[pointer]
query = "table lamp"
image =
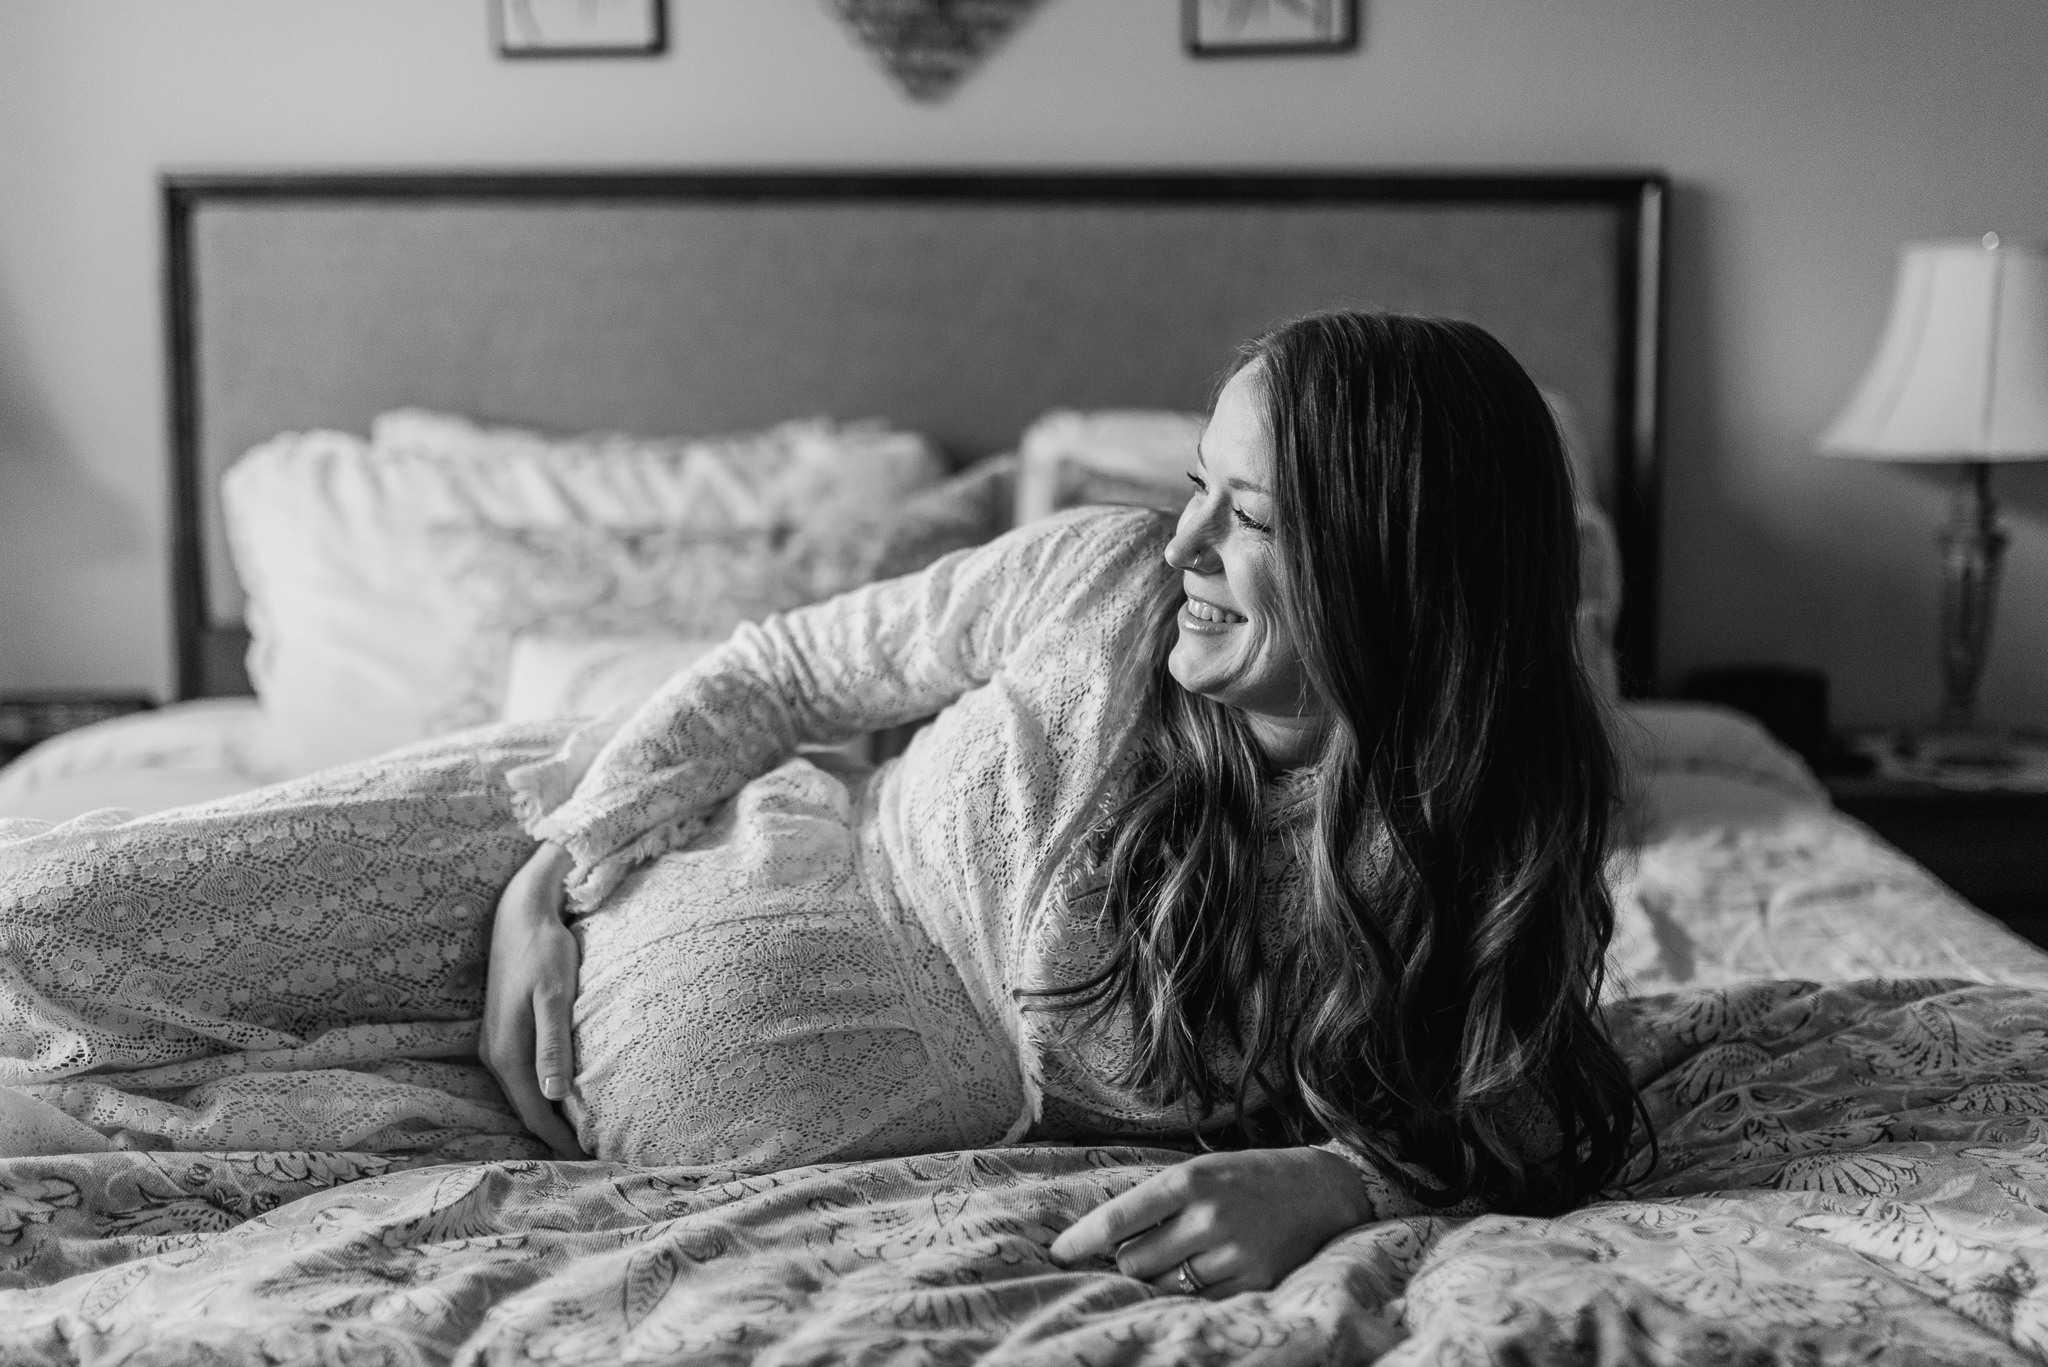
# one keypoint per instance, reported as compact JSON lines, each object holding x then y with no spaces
{"x":1960,"y":377}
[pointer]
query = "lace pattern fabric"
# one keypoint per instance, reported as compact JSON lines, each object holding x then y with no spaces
{"x":802,"y":964}
{"x":783,"y":962}
{"x":1024,"y":647}
{"x":746,"y":1001}
{"x":298,"y":967}
{"x":1036,"y":647}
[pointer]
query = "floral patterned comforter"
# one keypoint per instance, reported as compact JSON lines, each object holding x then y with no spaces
{"x":1856,"y":1172}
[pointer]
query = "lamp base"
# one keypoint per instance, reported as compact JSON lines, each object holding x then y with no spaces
{"x":1982,"y":748}
{"x":1971,"y":545}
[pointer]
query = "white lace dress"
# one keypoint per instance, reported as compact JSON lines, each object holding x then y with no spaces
{"x":785,"y":960}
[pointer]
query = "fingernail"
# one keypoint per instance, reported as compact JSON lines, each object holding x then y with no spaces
{"x":554,"y":1088}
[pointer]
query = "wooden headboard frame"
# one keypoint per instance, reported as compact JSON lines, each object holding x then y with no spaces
{"x":210,"y":649}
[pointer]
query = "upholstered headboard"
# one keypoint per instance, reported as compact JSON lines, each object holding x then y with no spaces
{"x":960,"y":305}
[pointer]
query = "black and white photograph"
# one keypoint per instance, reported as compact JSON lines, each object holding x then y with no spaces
{"x":579,"y":28}
{"x":1239,"y":28}
{"x":925,"y":682}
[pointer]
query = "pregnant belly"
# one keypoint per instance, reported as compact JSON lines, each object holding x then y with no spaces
{"x":743,"y":1002}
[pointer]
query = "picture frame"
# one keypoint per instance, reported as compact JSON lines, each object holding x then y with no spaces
{"x":1261,"y":28}
{"x":579,"y":28}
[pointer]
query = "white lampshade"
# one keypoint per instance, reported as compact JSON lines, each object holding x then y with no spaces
{"x":1961,"y":372}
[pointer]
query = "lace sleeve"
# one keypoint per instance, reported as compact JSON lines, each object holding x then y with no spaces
{"x":1385,"y":1196}
{"x":625,"y":789}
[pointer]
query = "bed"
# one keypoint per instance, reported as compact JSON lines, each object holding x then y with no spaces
{"x":1846,"y":1066}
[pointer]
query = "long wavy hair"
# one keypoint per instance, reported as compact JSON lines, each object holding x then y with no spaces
{"x":1434,"y":1006}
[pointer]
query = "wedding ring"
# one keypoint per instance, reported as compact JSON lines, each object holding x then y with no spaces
{"x":1190,"y":1284}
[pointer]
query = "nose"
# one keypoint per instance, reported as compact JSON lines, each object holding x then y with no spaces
{"x":1193,"y":547}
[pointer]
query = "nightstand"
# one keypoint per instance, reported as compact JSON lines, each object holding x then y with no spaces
{"x":1988,"y":842}
{"x":30,"y":718}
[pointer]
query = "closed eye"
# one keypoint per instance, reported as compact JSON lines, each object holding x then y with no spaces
{"x":1248,"y":522}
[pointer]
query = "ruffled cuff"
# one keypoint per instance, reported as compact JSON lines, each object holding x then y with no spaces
{"x":542,"y":786}
{"x":540,"y":792}
{"x":593,"y":876}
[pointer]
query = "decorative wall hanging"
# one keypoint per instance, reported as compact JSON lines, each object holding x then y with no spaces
{"x":1251,"y":28}
{"x":579,"y":28}
{"x":929,"y":46}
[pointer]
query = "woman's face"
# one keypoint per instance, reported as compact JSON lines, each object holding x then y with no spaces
{"x":1235,"y":645}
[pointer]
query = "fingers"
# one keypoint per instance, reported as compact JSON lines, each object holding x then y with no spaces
{"x":1157,"y":1252}
{"x":1215,"y":1275}
{"x":1153,"y":1253}
{"x":553,"y":1053}
{"x":528,"y":996}
{"x":539,"y":1116}
{"x":1221,"y":1223}
{"x":1187,"y":1241}
{"x":521,"y":1084}
{"x":1113,"y":1223}
{"x":550,"y":1073}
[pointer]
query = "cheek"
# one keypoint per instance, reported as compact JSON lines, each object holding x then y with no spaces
{"x":1258,"y":589}
{"x":1273,"y":658}
{"x":1270,"y":649}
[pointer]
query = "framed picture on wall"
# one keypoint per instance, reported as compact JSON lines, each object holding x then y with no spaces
{"x":579,"y":28}
{"x":1253,"y":28}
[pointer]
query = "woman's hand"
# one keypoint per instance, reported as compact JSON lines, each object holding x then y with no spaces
{"x":1238,"y":1221}
{"x":528,"y":997}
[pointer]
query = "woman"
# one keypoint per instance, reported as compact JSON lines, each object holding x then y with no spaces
{"x":1281,"y":828}
{"x":1284,"y":825}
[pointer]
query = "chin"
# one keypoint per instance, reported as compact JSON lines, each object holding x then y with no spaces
{"x":1189,"y":673}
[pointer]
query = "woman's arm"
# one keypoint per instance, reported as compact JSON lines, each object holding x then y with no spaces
{"x":880,"y":656}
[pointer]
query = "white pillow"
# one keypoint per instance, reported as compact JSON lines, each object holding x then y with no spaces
{"x":357,"y":636}
{"x":1692,"y":765}
{"x":556,"y":677}
{"x":686,"y":583}
{"x":1136,"y":456}
{"x":796,"y":474}
{"x":560,"y":677}
{"x":1706,"y":739}
{"x":597,"y":581}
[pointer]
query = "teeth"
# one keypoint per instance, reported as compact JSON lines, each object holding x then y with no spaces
{"x":1209,"y":612}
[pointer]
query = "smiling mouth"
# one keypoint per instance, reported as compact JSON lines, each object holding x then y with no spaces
{"x":1211,"y":614}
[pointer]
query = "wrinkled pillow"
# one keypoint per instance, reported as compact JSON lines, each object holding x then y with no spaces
{"x":792,"y":475}
{"x":972,"y":507}
{"x":567,"y":585}
{"x":552,"y":676}
{"x":1709,"y":765}
{"x":359,"y":639}
{"x":1134,"y":456}
{"x":597,"y":581}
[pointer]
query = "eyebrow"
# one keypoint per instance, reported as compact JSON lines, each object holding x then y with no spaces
{"x":1249,"y":486}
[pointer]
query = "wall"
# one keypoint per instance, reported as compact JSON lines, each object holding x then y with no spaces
{"x":1807,"y":138}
